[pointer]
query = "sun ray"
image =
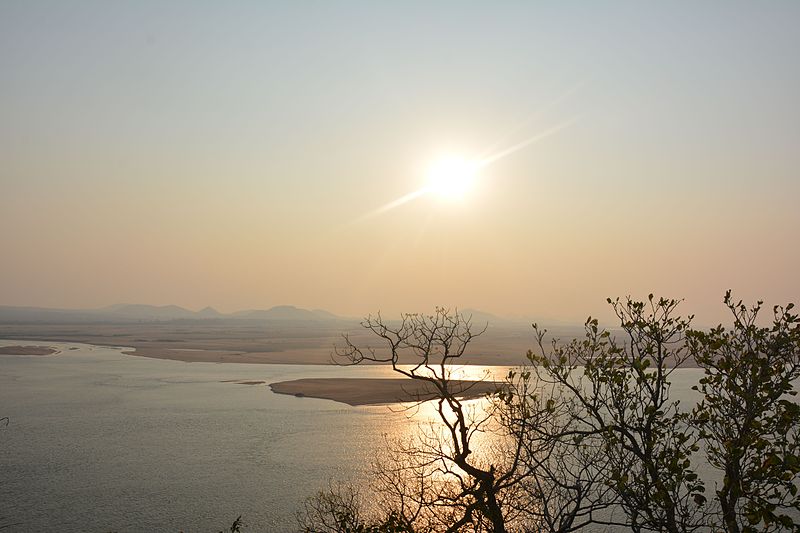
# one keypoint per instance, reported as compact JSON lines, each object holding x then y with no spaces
{"x":524,"y":123}
{"x":391,"y":205}
{"x":485,"y":162}
{"x":474,"y":166}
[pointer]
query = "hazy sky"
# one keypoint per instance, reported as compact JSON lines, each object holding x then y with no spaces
{"x":226,"y":153}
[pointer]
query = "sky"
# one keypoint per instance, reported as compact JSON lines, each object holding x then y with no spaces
{"x":238,"y":154}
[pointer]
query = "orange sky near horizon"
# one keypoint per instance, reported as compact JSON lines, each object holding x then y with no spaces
{"x":228,"y":156}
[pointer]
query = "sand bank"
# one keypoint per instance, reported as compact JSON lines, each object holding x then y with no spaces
{"x":27,"y":350}
{"x":259,"y":343}
{"x":356,"y":391}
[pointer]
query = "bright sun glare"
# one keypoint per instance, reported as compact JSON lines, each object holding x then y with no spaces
{"x":451,"y":178}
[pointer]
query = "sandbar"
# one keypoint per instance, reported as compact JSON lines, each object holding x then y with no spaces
{"x":27,"y":350}
{"x":364,"y":391}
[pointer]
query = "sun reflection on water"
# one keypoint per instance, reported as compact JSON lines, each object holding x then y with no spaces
{"x":414,"y":462}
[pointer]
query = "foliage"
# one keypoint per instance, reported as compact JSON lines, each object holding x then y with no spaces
{"x":747,"y":421}
{"x":589,"y":436}
{"x":618,"y":393}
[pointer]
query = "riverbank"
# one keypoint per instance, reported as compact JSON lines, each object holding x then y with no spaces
{"x":256,"y":343}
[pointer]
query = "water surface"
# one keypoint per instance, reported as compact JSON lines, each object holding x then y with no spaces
{"x":102,"y":441}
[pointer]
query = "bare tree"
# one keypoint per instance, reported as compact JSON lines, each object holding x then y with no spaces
{"x":458,"y":488}
{"x":566,"y":489}
{"x":340,"y":509}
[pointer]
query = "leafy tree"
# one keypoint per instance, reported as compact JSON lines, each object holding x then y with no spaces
{"x":749,"y":426}
{"x":589,"y":435}
{"x":618,"y":392}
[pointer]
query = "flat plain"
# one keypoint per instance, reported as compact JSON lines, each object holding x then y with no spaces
{"x":277,"y":342}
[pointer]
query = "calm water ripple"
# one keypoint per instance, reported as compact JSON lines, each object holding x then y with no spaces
{"x":100,"y":441}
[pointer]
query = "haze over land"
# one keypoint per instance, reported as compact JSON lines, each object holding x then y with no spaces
{"x":125,"y":313}
{"x":283,"y":334}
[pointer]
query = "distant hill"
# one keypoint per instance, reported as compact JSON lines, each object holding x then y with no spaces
{"x":150,"y":312}
{"x":286,"y":312}
{"x":209,"y":312}
{"x":481,"y":318}
{"x":325,"y":315}
{"x":126,"y":313}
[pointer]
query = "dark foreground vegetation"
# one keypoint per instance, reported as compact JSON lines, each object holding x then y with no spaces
{"x":588,"y":437}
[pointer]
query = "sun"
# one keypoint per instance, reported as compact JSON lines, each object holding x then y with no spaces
{"x":451,"y":178}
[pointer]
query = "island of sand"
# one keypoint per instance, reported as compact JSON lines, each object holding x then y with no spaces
{"x":27,"y":350}
{"x":363,"y":391}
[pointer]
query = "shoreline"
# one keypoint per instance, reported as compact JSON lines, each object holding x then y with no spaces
{"x":198,"y":353}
